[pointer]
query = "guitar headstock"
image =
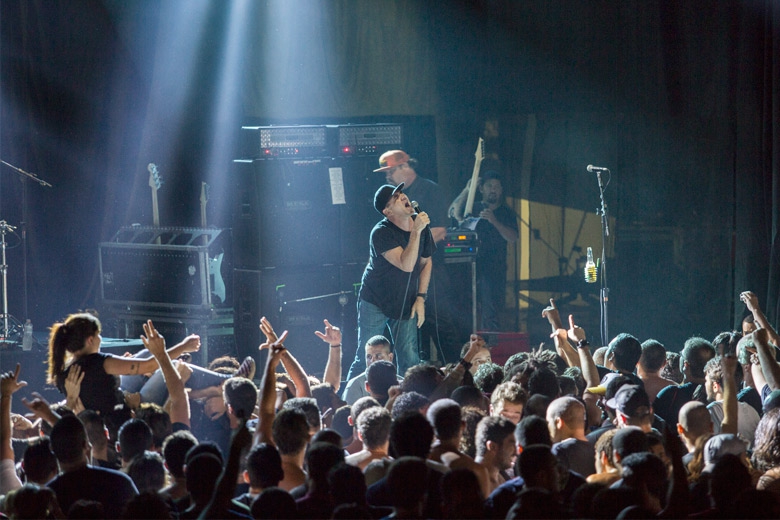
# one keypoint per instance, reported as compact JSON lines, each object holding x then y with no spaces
{"x":155,"y":179}
{"x":205,"y":190}
{"x":480,"y":153}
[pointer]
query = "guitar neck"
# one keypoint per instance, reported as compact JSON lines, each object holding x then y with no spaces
{"x":474,"y":179}
{"x":155,"y":209}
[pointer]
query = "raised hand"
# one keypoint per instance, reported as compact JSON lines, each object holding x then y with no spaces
{"x":553,"y":316}
{"x":40,"y":408}
{"x":331,"y":336}
{"x":476,"y":343}
{"x":268,"y":330}
{"x":9,"y":382}
{"x":152,"y":339}
{"x":275,"y":350}
{"x":191,"y":343}
{"x":750,"y":300}
{"x":575,"y":333}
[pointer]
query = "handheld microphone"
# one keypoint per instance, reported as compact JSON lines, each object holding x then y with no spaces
{"x":592,"y":169}
{"x":417,"y":210}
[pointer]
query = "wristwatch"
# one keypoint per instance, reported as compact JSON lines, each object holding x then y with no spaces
{"x":466,"y":364}
{"x":423,"y":295}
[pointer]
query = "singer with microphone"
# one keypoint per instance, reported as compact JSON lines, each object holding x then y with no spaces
{"x":395,"y":282}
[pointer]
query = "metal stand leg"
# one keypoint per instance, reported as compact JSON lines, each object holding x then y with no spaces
{"x":11,"y":326}
{"x":473,"y":295}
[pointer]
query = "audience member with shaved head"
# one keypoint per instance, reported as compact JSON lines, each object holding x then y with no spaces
{"x":566,"y":420}
{"x":694,"y":422}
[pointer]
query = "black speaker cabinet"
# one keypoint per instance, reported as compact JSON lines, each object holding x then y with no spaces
{"x":303,"y":212}
{"x":170,"y":268}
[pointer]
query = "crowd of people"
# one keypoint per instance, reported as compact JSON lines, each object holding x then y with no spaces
{"x":628,"y":430}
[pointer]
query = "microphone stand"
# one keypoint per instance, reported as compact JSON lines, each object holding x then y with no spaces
{"x":604,"y":300}
{"x":9,"y":322}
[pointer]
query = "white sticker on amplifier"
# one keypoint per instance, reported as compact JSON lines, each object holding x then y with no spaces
{"x":337,"y":186}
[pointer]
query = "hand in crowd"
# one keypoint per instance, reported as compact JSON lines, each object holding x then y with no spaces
{"x":191,"y":343}
{"x":575,"y":333}
{"x":20,"y":423}
{"x":268,"y":330}
{"x":750,"y":300}
{"x":275,"y":349}
{"x":394,"y":391}
{"x":553,"y":316}
{"x":9,"y":382}
{"x":476,"y":343}
{"x":40,"y":408}
{"x":73,"y":382}
{"x":184,"y":370}
{"x":331,"y":336}
{"x":152,"y":339}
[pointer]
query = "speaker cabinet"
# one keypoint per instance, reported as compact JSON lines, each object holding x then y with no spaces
{"x":303,"y":212}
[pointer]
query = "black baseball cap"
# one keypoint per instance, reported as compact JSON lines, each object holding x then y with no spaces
{"x":631,"y":400}
{"x":384,"y":194}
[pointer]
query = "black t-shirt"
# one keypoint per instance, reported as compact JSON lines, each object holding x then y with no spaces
{"x":384,"y":284}
{"x":491,"y":260}
{"x":99,"y":390}
{"x":669,"y":400}
{"x":111,"y":488}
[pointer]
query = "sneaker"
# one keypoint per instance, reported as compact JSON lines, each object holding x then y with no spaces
{"x":247,"y":368}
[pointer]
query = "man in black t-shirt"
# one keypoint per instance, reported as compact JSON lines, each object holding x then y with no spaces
{"x":497,"y":226}
{"x":395,"y":282}
{"x":441,"y":327}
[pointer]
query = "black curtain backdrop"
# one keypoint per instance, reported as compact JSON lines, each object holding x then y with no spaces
{"x":680,"y":99}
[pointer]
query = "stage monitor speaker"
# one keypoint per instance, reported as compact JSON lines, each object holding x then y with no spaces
{"x":166,"y":268}
{"x":290,"y":212}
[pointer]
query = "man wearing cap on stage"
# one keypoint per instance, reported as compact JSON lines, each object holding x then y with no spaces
{"x":399,"y":168}
{"x":441,"y":326}
{"x":395,"y":282}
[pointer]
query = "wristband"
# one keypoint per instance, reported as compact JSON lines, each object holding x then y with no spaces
{"x":582,"y":343}
{"x":465,"y":364}
{"x":336,"y":346}
{"x":422,"y":295}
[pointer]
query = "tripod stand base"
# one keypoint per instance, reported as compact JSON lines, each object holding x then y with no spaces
{"x":13,"y":331}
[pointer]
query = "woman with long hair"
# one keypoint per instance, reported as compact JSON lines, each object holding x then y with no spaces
{"x":76,"y":342}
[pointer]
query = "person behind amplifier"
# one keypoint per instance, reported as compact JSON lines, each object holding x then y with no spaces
{"x":395,"y":282}
{"x":497,"y":226}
